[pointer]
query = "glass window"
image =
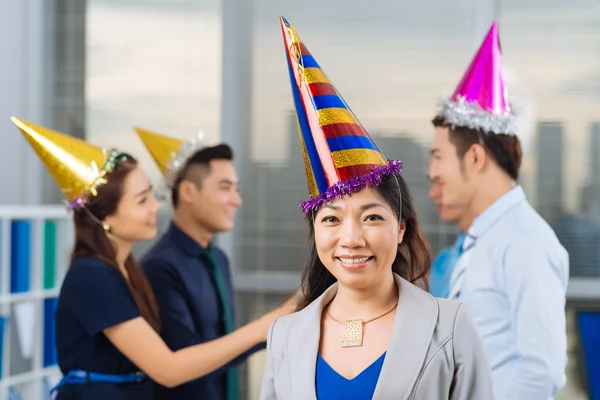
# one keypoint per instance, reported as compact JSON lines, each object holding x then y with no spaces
{"x":391,"y":61}
{"x":551,"y":58}
{"x":153,"y":64}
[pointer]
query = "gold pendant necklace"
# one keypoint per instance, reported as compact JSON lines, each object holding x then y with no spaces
{"x":353,"y":328}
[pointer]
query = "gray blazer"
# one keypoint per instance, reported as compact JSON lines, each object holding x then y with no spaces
{"x":434,"y":353}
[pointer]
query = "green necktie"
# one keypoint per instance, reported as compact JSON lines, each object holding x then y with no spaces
{"x":219,"y":280}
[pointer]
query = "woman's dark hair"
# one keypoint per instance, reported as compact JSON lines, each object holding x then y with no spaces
{"x":504,"y":149}
{"x":91,"y":239}
{"x":412,"y":261}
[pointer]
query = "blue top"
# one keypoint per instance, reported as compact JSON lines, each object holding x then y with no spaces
{"x":189,"y":306}
{"x":94,"y":297}
{"x":332,"y":386}
{"x":514,"y":282}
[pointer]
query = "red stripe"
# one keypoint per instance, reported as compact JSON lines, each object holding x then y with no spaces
{"x":346,"y":173}
{"x":343,"y":129}
{"x":303,"y":49}
{"x":321,"y":88}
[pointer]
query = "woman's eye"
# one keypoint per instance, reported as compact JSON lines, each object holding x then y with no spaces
{"x":374,"y":217}
{"x":329,"y":219}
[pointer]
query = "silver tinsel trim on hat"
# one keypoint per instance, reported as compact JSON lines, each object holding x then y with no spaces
{"x":176,"y":162}
{"x":471,"y":115}
{"x":181,"y":156}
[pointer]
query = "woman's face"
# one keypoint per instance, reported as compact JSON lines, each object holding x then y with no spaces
{"x":136,"y":216}
{"x":357,"y":238}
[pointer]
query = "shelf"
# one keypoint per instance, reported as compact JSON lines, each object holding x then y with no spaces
{"x":34,"y":212}
{"x":35,"y":247}
{"x":28,"y":296}
{"x":27,"y":377}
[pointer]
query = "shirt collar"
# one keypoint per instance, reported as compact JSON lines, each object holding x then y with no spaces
{"x":489,"y":216}
{"x":185,"y":242}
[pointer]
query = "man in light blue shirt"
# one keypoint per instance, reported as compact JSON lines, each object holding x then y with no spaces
{"x":443,"y":265}
{"x":513,"y":271}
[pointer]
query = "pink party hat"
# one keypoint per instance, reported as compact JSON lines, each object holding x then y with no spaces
{"x":481,"y":101}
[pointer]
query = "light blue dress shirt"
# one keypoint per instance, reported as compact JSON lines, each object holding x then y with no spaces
{"x":515,"y":281}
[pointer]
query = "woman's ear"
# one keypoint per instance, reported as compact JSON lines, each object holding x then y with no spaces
{"x":401,"y":232}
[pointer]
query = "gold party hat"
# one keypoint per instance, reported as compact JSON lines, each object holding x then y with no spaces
{"x":162,"y":148}
{"x":169,"y":153}
{"x":78,"y":168}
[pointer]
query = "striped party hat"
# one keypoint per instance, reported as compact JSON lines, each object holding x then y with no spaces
{"x":340,"y":157}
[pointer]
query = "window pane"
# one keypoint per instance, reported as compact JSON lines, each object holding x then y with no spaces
{"x":153,"y":64}
{"x":391,"y":61}
{"x":551,"y":53}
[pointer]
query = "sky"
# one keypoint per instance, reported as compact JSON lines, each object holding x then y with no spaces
{"x":157,"y":64}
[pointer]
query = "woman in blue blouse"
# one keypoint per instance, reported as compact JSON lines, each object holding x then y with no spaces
{"x":365,"y":329}
{"x":107,"y":321}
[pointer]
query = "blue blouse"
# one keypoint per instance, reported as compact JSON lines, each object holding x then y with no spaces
{"x":332,"y":386}
{"x":94,"y":297}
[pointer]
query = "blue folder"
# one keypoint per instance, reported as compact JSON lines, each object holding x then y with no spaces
{"x":13,"y":393}
{"x":589,"y":334}
{"x":2,"y":330}
{"x":50,"y":357}
{"x":20,"y":253}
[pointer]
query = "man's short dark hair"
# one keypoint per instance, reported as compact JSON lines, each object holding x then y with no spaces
{"x":503,"y":148}
{"x":201,"y":158}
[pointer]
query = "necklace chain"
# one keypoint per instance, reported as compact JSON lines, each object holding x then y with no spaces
{"x":364,"y":322}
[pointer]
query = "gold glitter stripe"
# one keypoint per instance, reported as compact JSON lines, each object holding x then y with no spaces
{"x":310,"y":176}
{"x":328,"y":116}
{"x":314,"y":75}
{"x":347,"y":158}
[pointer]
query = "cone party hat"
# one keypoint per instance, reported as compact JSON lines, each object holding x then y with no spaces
{"x":77,"y":167}
{"x":169,"y":153}
{"x":480,"y":100}
{"x":340,"y":157}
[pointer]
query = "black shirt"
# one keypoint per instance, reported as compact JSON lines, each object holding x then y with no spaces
{"x":189,"y":306}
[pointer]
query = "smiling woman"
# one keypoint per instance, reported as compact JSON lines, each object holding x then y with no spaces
{"x":382,"y":216}
{"x":364,"y":328}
